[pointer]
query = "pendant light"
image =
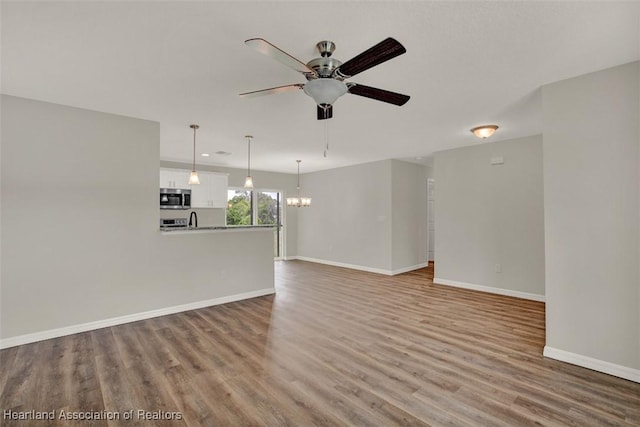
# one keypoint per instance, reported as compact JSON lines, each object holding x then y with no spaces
{"x":248,"y":182}
{"x":299,"y":202}
{"x":193,"y":178}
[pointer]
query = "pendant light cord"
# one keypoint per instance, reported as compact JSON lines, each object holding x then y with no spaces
{"x":194,"y":127}
{"x":299,"y":200}
{"x":249,"y":156}
{"x":194,"y":147}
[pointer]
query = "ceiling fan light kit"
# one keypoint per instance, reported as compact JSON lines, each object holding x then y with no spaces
{"x":325,"y":75}
{"x":484,"y":131}
{"x":325,"y":91}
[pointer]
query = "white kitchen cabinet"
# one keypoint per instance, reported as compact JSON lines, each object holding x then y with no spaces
{"x":174,"y":178}
{"x":211,"y":192}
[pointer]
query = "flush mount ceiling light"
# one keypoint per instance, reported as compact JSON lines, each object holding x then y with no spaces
{"x":193,"y":178}
{"x":248,"y":182}
{"x":484,"y":131}
{"x":299,"y":202}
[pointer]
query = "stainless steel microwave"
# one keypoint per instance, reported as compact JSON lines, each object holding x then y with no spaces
{"x":175,"y":198}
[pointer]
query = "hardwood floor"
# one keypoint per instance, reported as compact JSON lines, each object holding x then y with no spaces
{"x":334,"y":347}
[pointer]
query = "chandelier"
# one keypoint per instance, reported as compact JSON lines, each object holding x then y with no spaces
{"x":299,"y":202}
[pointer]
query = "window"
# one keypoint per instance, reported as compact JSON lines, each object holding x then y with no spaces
{"x":255,"y":207}
{"x":268,"y":212}
{"x":239,"y":210}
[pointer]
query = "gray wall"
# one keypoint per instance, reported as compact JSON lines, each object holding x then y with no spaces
{"x":349,"y":220}
{"x":491,"y":214}
{"x":80,"y":240}
{"x":370,"y":216}
{"x":262,"y":181}
{"x":591,"y":180}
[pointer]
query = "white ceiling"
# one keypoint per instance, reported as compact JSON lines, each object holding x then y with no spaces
{"x":467,"y":63}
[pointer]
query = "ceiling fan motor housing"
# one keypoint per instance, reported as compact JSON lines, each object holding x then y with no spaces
{"x":325,"y":65}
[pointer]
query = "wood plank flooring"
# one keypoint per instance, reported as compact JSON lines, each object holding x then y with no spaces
{"x":333,"y":347}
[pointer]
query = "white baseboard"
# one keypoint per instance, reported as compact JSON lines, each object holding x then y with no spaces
{"x":407,"y":269}
{"x":489,"y":289}
{"x":591,"y":363}
{"x":98,"y":324}
{"x":359,"y":267}
{"x":345,"y":265}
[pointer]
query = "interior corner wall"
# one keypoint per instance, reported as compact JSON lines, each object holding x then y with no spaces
{"x":592,"y":219}
{"x":489,"y":218}
{"x":409,"y":213}
{"x":428,"y":170}
{"x":349,"y":221}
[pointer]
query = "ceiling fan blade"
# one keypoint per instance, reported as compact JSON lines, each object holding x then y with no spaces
{"x":325,"y":111}
{"x":272,"y":90}
{"x":266,"y":48}
{"x":378,"y":94}
{"x":383,"y":51}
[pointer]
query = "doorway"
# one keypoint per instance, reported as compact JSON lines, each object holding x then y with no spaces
{"x":257,"y":208}
{"x":431,"y":220}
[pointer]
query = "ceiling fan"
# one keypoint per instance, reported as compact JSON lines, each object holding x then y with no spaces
{"x":326,"y":75}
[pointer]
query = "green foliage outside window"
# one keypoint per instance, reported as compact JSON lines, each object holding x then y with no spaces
{"x":267,"y":209}
{"x":239,"y":210}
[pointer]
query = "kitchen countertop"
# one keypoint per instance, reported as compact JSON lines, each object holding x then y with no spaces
{"x":214,"y":229}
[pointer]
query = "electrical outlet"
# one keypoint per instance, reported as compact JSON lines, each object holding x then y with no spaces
{"x":497,"y":268}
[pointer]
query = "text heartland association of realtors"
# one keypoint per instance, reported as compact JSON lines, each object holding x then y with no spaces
{"x":132,"y":414}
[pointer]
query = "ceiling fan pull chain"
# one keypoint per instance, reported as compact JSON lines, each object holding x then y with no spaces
{"x":326,"y":137}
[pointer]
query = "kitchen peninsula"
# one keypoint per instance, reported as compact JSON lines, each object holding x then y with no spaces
{"x":220,"y":264}
{"x":214,"y":229}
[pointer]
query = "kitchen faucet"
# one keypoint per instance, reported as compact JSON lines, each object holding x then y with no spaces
{"x":193,"y":216}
